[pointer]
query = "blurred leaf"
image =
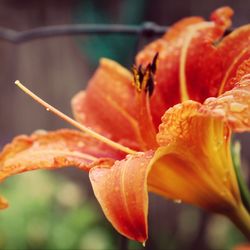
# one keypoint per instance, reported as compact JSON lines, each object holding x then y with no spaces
{"x":49,"y":211}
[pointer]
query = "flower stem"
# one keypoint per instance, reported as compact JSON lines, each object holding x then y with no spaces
{"x":241,"y":218}
{"x":245,"y":194}
{"x":75,"y":123}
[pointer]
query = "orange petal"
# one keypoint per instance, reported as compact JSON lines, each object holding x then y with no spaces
{"x":233,"y":50}
{"x":185,"y":56}
{"x":47,"y":150}
{"x":108,"y":106}
{"x":167,"y":69}
{"x":243,"y":246}
{"x":234,"y":105}
{"x":194,"y":162}
{"x":202,"y":67}
{"x":121,"y":190}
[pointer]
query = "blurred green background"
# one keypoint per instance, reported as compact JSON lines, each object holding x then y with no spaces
{"x":57,"y":210}
{"x":50,"y":211}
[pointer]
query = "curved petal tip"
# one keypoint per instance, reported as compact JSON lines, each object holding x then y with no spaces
{"x":121,"y":190}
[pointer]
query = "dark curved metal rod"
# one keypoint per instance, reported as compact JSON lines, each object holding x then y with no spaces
{"x":147,"y":29}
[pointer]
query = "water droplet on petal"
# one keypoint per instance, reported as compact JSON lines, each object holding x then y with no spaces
{"x":80,"y":144}
{"x":226,"y":98}
{"x":237,"y":107}
{"x":210,"y":99}
{"x":40,"y":132}
{"x":244,"y":83}
{"x":47,"y":109}
{"x":246,"y":121}
{"x":247,"y":76}
{"x":220,"y":112}
{"x":178,"y":201}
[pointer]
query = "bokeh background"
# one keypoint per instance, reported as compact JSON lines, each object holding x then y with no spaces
{"x":57,"y":210}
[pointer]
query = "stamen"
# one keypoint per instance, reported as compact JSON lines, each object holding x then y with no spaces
{"x":144,"y":84}
{"x":154,"y":63}
{"x":75,"y":123}
{"x":144,"y":77}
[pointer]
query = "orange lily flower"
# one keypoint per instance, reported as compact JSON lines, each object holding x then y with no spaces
{"x":165,"y":129}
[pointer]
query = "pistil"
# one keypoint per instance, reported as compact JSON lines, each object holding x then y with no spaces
{"x":76,"y":124}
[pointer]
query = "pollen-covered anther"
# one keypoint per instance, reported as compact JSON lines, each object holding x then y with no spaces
{"x":144,"y":77}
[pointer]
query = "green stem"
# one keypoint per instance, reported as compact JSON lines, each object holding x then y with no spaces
{"x":241,"y":218}
{"x":244,"y":191}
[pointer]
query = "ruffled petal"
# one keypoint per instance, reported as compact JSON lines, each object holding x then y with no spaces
{"x":234,"y":105}
{"x":194,"y":161}
{"x":111,"y":89}
{"x":121,"y":190}
{"x":48,"y":150}
{"x":187,"y":65}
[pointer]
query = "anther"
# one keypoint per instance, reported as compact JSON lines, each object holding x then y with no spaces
{"x":144,"y":77}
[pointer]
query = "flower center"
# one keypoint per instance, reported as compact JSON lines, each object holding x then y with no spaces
{"x":144,"y":77}
{"x":144,"y":84}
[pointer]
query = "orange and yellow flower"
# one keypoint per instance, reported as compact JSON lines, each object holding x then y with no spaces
{"x":167,"y":127}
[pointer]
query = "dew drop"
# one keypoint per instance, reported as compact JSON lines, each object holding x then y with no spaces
{"x":226,"y":98}
{"x":80,"y":144}
{"x":244,"y":82}
{"x":219,"y":111}
{"x":246,"y":121}
{"x":47,"y":109}
{"x":40,"y":132}
{"x":210,"y":99}
{"x":128,"y":157}
{"x":178,"y":201}
{"x":237,"y":107}
{"x":232,"y":119}
{"x":247,"y":76}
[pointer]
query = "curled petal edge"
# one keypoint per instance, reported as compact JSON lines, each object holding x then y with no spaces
{"x":121,"y":190}
{"x":48,"y":150}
